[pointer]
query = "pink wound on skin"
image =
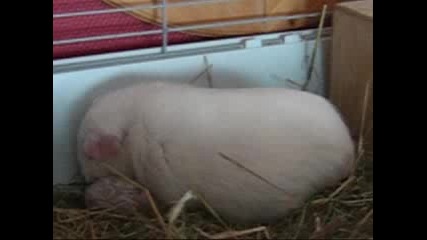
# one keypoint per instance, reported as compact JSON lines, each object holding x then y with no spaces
{"x":102,"y":147}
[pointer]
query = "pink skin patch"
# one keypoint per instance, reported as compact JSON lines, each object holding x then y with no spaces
{"x":102,"y":147}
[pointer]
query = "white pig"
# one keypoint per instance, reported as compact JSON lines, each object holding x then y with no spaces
{"x":252,"y":153}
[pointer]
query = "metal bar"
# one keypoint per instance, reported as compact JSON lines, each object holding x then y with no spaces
{"x":187,"y":28}
{"x":116,"y":61}
{"x":106,"y":37}
{"x":245,"y":21}
{"x":137,"y":7}
{"x":143,"y":58}
{"x":164,"y":26}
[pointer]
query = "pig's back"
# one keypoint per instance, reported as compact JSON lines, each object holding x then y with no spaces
{"x":293,"y":140}
{"x":244,"y":116}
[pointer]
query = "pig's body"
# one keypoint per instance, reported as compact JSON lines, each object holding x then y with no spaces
{"x":171,"y":135}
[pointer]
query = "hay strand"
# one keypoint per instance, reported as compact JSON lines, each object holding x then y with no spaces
{"x":361,"y":223}
{"x":324,"y":231}
{"x":241,"y":166}
{"x":313,"y":55}
{"x":336,"y":192}
{"x":179,"y":206}
{"x":211,"y":210}
{"x":232,"y":234}
{"x":301,"y":222}
{"x":351,"y":203}
{"x":205,"y":70}
{"x":360,"y":145}
{"x":208,"y":71}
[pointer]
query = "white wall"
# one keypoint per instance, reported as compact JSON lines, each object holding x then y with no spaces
{"x":266,"y":66}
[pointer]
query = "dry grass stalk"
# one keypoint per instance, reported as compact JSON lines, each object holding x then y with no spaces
{"x":326,"y":230}
{"x":267,"y":233}
{"x":340,"y":188}
{"x":208,"y":71}
{"x":360,"y":147}
{"x":241,"y":166}
{"x":355,"y":201}
{"x":211,"y":210}
{"x":92,"y":230}
{"x":68,"y":231}
{"x":294,"y":83}
{"x":317,"y":224}
{"x":351,"y":203}
{"x":361,"y":223}
{"x":179,"y":206}
{"x":313,"y":56}
{"x":85,"y":214}
{"x":301,"y":222}
{"x":336,"y":192}
{"x":205,"y":70}
{"x":232,"y":234}
{"x":203,"y":233}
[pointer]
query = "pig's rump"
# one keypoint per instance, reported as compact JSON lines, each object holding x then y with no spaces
{"x":288,"y":145}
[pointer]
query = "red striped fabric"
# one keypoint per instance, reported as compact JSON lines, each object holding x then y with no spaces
{"x":116,"y":23}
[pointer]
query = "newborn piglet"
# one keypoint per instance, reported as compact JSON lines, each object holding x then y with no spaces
{"x":114,"y":192}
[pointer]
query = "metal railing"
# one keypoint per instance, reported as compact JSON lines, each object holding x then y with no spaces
{"x":165,"y":29}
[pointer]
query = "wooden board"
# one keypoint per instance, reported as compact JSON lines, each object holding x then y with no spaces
{"x":352,"y":67}
{"x":232,"y":10}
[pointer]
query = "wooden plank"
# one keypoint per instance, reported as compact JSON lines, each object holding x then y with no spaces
{"x":352,"y":66}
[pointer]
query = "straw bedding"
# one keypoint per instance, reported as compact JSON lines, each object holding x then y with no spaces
{"x":344,"y":211}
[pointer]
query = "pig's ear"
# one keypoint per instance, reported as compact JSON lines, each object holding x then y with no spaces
{"x":102,"y":147}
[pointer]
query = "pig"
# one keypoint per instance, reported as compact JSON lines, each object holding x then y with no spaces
{"x":253,"y":154}
{"x":113,"y":192}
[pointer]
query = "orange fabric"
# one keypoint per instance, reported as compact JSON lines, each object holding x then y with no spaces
{"x":233,"y":10}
